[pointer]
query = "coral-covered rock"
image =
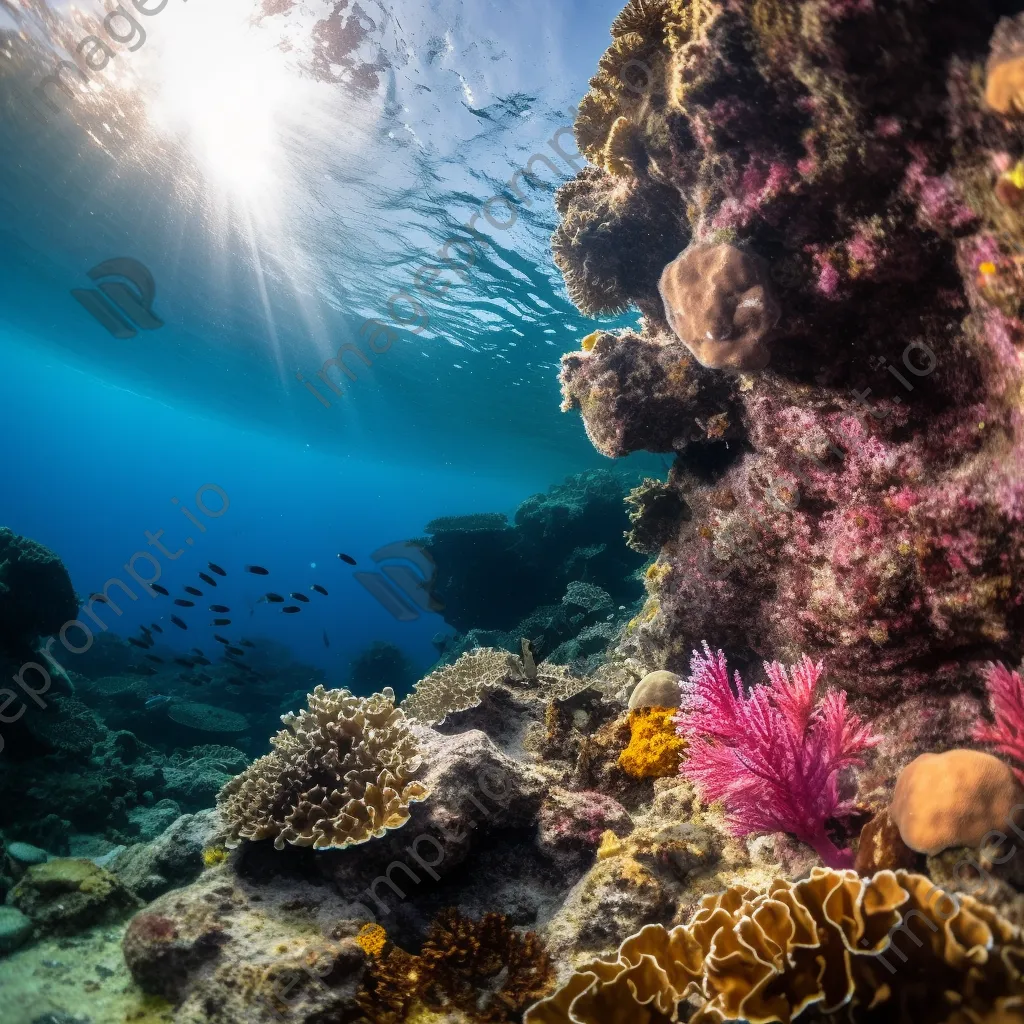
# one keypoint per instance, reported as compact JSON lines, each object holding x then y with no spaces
{"x":36,"y":595}
{"x":636,"y":395}
{"x":865,"y":505}
{"x":954,"y":799}
{"x":573,"y":822}
{"x":720,"y":303}
{"x":68,"y":895}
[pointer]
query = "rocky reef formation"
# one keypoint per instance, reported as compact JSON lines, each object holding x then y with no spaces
{"x":557,"y":574}
{"x":848,"y":479}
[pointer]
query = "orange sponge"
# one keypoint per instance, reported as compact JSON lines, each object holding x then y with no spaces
{"x":654,"y":750}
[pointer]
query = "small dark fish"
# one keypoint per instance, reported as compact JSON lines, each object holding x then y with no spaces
{"x":217,"y":569}
{"x":153,"y":657}
{"x":347,"y":558}
{"x":208,"y":580}
{"x":159,"y":589}
{"x":194,"y":591}
{"x":291,"y":609}
{"x":195,"y":650}
{"x":327,"y":642}
{"x":144,"y":630}
{"x":222,"y":622}
{"x":257,"y":570}
{"x":178,"y":622}
{"x":273,"y":598}
{"x":220,"y":639}
{"x":184,"y":661}
{"x":299,"y":597}
{"x":98,"y":597}
{"x":237,"y":652}
{"x":182,"y":603}
{"x":145,"y":670}
{"x":202,"y":661}
{"x":156,"y":627}
{"x":246,"y":643}
{"x":219,"y":608}
{"x":137,"y":643}
{"x":319,"y":589}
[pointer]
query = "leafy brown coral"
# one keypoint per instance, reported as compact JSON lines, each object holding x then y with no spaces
{"x":482,"y":968}
{"x":461,"y":686}
{"x":823,"y":947}
{"x":340,"y":774}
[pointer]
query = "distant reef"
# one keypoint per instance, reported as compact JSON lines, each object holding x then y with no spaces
{"x":558,"y":569}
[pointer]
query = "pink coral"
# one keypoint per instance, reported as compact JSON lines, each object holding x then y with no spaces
{"x":773,"y":755}
{"x":1006,"y":702}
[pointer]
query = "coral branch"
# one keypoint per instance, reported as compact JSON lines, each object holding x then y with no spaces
{"x":773,"y":755}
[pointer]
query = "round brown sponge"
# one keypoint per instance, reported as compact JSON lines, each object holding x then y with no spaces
{"x":953,"y":799}
{"x":719,"y":301}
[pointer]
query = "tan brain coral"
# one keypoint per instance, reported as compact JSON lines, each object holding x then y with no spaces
{"x":720,"y":303}
{"x":832,"y":944}
{"x":954,"y":799}
{"x":340,"y":773}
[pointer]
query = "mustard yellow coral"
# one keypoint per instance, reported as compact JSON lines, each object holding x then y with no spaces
{"x":654,"y":749}
{"x":214,"y":855}
{"x":372,"y":939}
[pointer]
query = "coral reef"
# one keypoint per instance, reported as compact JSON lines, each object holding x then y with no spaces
{"x":340,"y":773}
{"x":774,"y":754}
{"x":954,"y":799}
{"x":858,"y":499}
{"x":818,"y":945}
{"x":497,"y":578}
{"x":379,"y":665}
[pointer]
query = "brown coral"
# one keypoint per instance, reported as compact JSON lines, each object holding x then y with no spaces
{"x":820,"y":945}
{"x":953,"y":799}
{"x":482,"y":968}
{"x":719,"y":301}
{"x":461,"y":686}
{"x":340,"y":774}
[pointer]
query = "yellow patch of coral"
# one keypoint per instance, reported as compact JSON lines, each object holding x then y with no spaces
{"x":610,"y":845}
{"x":214,"y":855}
{"x":588,"y":343}
{"x":372,"y":939}
{"x":654,"y":750}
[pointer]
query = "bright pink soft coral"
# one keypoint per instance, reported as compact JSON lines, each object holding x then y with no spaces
{"x":772,"y":755}
{"x":1006,"y":702}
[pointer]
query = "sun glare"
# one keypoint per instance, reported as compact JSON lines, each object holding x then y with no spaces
{"x":225,"y":86}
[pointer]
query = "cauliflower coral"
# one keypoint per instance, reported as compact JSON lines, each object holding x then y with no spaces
{"x":773,"y":755}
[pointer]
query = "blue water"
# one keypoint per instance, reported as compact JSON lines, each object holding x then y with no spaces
{"x":458,"y":415}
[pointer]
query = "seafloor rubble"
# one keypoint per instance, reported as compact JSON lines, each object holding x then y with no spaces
{"x":791,"y":789}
